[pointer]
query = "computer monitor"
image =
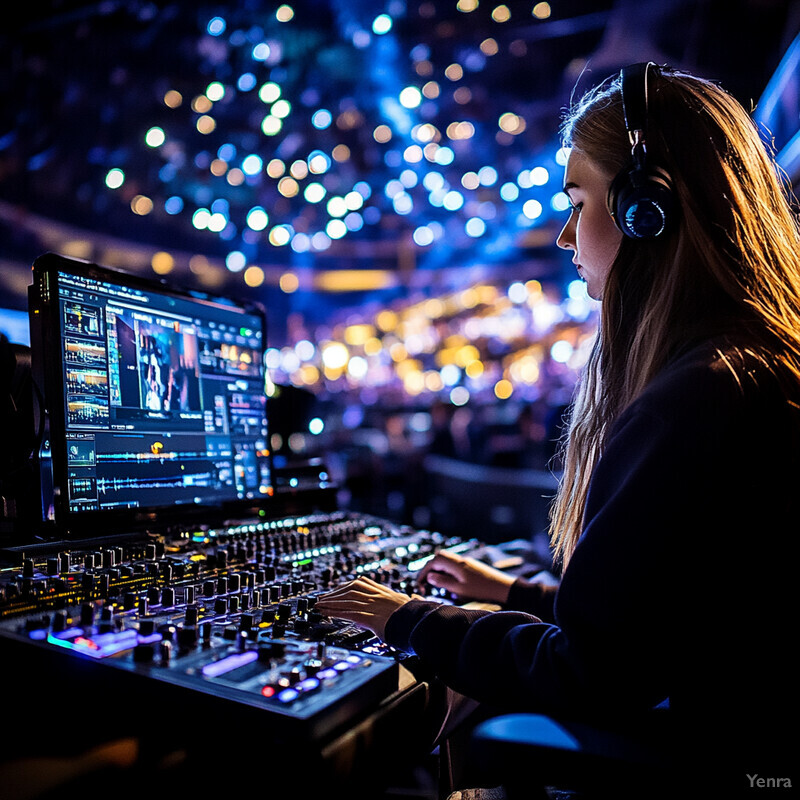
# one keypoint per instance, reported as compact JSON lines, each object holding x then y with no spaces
{"x":155,"y":400}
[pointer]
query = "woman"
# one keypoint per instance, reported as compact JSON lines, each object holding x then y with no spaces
{"x":678,"y":501}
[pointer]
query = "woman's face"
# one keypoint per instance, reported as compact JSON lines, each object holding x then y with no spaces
{"x":590,"y":231}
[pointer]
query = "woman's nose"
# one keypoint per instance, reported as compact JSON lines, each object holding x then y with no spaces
{"x":566,"y":239}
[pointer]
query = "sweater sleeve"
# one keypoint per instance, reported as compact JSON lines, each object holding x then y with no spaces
{"x":533,"y":597}
{"x":617,"y":616}
{"x":607,"y":645}
{"x":681,"y":586}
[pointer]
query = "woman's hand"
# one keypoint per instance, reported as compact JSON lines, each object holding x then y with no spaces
{"x":467,"y":578}
{"x":363,"y":601}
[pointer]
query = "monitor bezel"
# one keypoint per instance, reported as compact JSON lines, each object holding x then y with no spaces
{"x":45,"y":324}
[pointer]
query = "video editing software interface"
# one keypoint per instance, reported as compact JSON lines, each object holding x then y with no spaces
{"x":164,"y":396}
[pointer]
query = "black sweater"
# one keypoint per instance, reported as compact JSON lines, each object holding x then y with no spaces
{"x":680,"y":586}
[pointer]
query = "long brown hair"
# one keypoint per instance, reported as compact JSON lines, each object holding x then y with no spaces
{"x":730,"y":263}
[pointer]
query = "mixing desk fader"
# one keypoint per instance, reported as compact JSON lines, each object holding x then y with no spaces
{"x":220,"y":618}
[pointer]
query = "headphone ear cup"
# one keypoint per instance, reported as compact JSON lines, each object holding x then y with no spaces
{"x":641,"y":202}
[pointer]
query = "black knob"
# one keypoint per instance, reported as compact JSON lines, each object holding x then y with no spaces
{"x":167,"y":631}
{"x":268,"y":615}
{"x":143,"y":653}
{"x":246,"y":622}
{"x":187,"y":636}
{"x":295,"y":676}
{"x":269,"y":650}
{"x":165,"y":651}
{"x":278,"y":630}
{"x":87,"y":614}
{"x":301,"y":624}
{"x":312,"y":666}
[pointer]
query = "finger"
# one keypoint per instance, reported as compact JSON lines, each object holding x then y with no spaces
{"x":345,"y":587}
{"x":439,"y":563}
{"x":444,"y":581}
{"x":335,"y":606}
{"x":350,"y":586}
{"x":367,"y":582}
{"x":351,"y":597}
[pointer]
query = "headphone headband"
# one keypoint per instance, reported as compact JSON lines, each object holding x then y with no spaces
{"x":634,"y":81}
{"x":640,"y":197}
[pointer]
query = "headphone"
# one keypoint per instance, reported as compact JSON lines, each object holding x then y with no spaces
{"x":640,"y":199}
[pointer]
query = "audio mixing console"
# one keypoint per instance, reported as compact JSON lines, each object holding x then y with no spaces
{"x":216,"y":620}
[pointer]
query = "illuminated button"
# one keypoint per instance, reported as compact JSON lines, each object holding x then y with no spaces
{"x":288,"y":695}
{"x":229,"y":663}
{"x":309,"y":684}
{"x":327,"y":674}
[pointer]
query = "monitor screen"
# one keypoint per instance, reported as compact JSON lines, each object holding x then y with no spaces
{"x":155,"y":396}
